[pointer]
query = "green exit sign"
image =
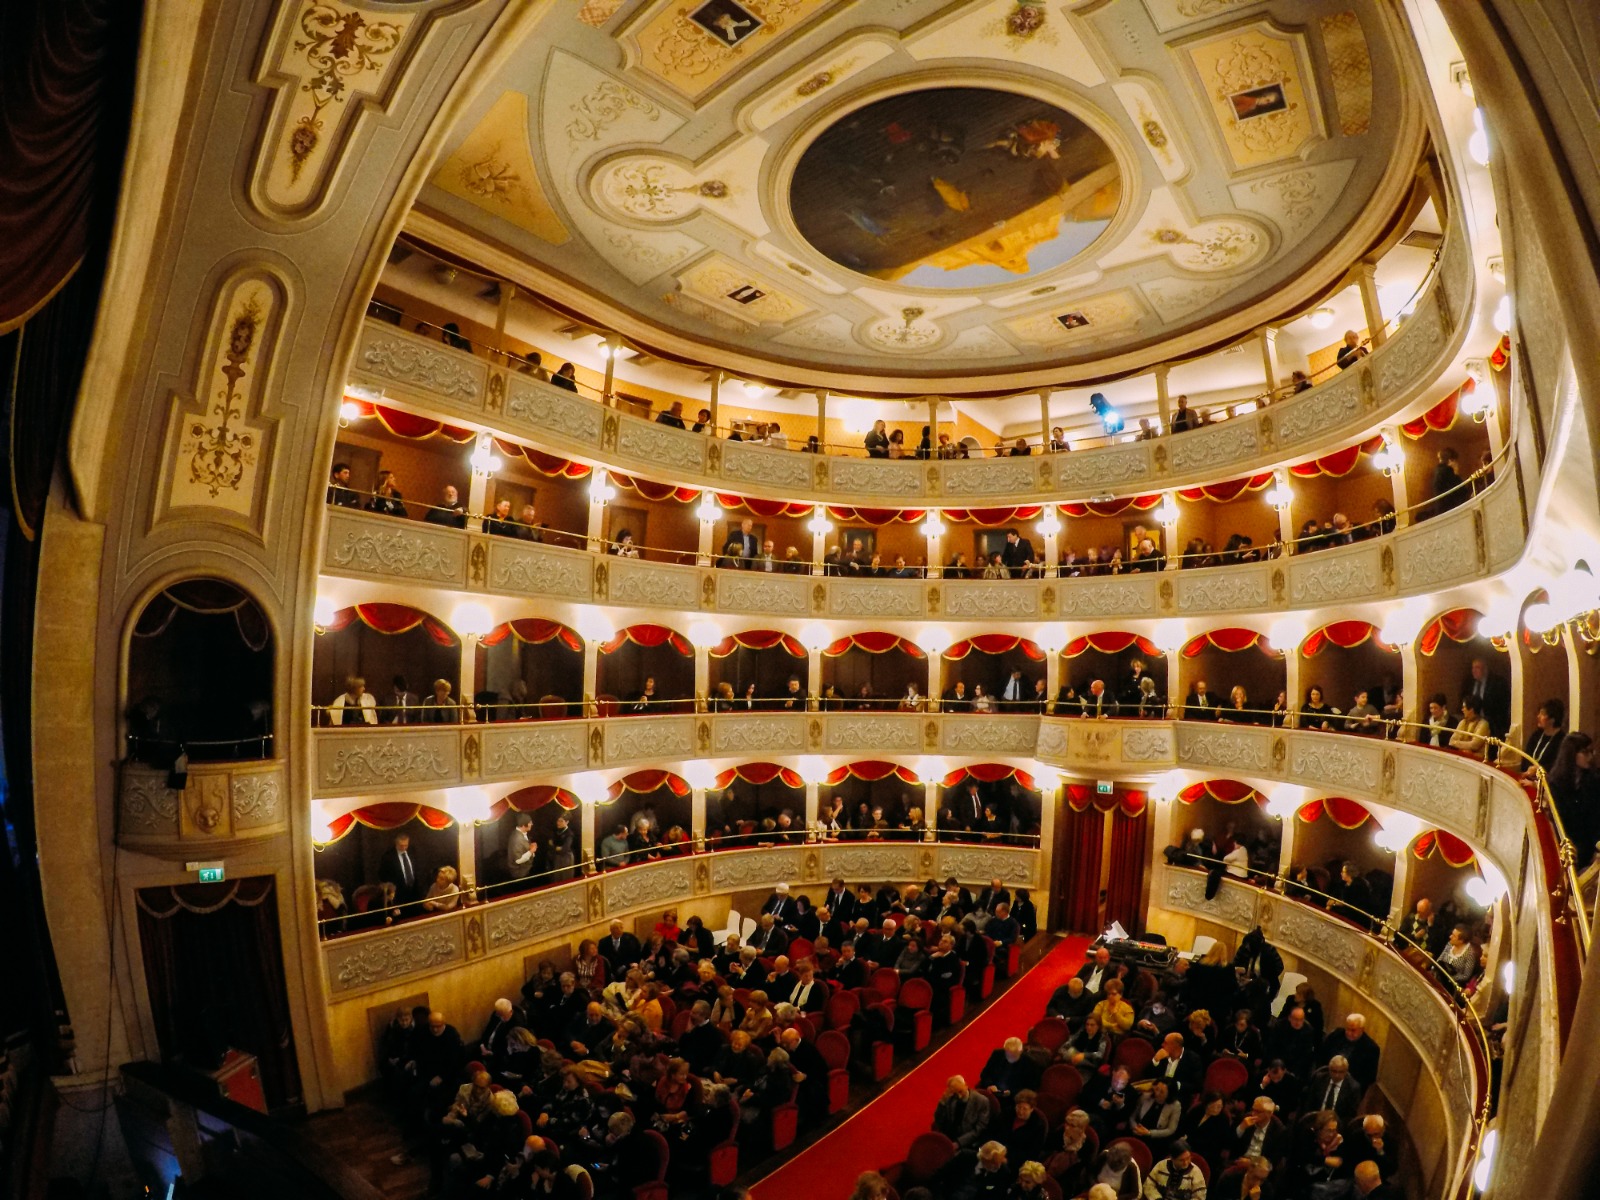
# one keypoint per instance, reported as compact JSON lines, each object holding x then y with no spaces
{"x":211,"y":874}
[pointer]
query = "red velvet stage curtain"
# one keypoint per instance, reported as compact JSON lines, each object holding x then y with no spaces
{"x":391,"y":618}
{"x":1224,"y":791}
{"x":214,"y":967}
{"x":530,"y":798}
{"x":1346,"y":814}
{"x":1339,"y":463}
{"x":994,"y":643}
{"x":1080,"y":846}
{"x":1459,"y":625}
{"x":535,"y":631}
{"x":389,"y":815}
{"x":1451,"y":848}
{"x":1442,"y":415}
{"x":870,"y":770}
{"x":1130,"y":858}
{"x":1110,"y":643}
{"x":546,"y":464}
{"x":410,"y":426}
{"x":758,"y":639}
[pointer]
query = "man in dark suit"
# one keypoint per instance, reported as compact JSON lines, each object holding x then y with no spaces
{"x":809,"y":994}
{"x":1096,"y":971}
{"x":702,"y":1041}
{"x":768,"y":940}
{"x":1176,"y":1065}
{"x":397,"y":705}
{"x":1261,"y":1134}
{"x":849,"y":972}
{"x":1099,"y":702}
{"x":1017,"y":554}
{"x":1356,"y":1047}
{"x":749,"y":545}
{"x":397,"y":867}
{"x":1200,"y":704}
{"x":1292,"y":1039}
{"x":1369,"y":1184}
{"x":779,"y":905}
{"x":779,"y":986}
{"x":492,"y":1043}
{"x":1282,"y":1088}
{"x":955,"y":699}
{"x":1492,"y":695}
{"x":1016,"y":694}
{"x":520,"y":849}
{"x":1009,"y":1071}
{"x":1333,"y":1089}
{"x":840,"y":901}
{"x":1071,"y":1003}
{"x":1368,"y":1143}
{"x":969,"y":806}
{"x":993,"y":896}
{"x":869,"y":945}
{"x":620,"y":949}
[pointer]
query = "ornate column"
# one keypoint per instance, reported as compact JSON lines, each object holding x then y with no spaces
{"x":1291,"y":676}
{"x":697,"y":814}
{"x":1049,"y":805}
{"x":933,"y":531}
{"x":702,"y":676}
{"x":467,"y":685}
{"x":933,"y":425}
{"x":1399,"y":899}
{"x":478,"y":485}
{"x":822,"y":419}
{"x":1286,"y":845}
{"x":1366,"y":278}
{"x":613,"y":344}
{"x":1163,"y":400}
{"x":935,"y":677}
{"x":1269,"y":359}
{"x":1170,"y":542}
{"x":591,"y":674}
{"x":1174,"y":683}
{"x":600,"y":490}
{"x":1397,"y":481}
{"x":1052,"y":673}
{"x":1044,"y":422}
{"x":930,"y":807}
{"x":1286,"y":513}
{"x":813,"y":676}
{"x":1410,"y":682}
{"x":586,"y":838}
{"x":813,"y":804}
{"x":715,"y":402}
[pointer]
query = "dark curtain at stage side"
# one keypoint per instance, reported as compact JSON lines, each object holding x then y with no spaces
{"x":214,"y":967}
{"x":1130,"y":859}
{"x":1079,"y":847}
{"x":66,"y":86}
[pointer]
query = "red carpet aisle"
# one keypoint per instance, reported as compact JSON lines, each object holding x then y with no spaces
{"x":881,"y":1132}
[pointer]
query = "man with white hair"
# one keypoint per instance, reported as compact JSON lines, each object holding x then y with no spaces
{"x":991,"y":1178}
{"x":768,"y":938}
{"x":779,"y":904}
{"x":962,"y":1114}
{"x":1358,"y":1049}
{"x":1095,"y":972}
{"x":1009,"y":1071}
{"x":1370,"y":1146}
{"x":1334,"y":1089}
{"x":1261,"y":1134}
{"x":492,"y":1045}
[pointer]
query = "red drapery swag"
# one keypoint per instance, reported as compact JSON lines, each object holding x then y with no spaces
{"x":1339,"y":463}
{"x":1130,"y":859}
{"x":409,"y":425}
{"x":1442,"y":415}
{"x":649,"y":635}
{"x":1459,"y":625}
{"x":871,"y":770}
{"x":645,"y":782}
{"x":995,"y":516}
{"x":1227,"y":791}
{"x":1451,"y":848}
{"x":876,"y":516}
{"x":535,"y":631}
{"x":546,"y":464}
{"x":989,"y":773}
{"x":765,"y":508}
{"x":1127,"y":801}
{"x":391,"y":618}
{"x":759,"y":773}
{"x":1110,"y":643}
{"x":1501,"y":354}
{"x":655,"y":491}
{"x":994,"y":643}
{"x":1346,"y":814}
{"x":1229,"y":640}
{"x":1110,"y":508}
{"x":530,"y":798}
{"x":1230,"y":490}
{"x":758,"y":639}
{"x":873,"y":643}
{"x":1344,"y":634}
{"x":390,"y":815}
{"x":1082,"y":844}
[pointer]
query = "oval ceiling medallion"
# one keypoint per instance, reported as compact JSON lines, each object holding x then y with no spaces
{"x":955,"y":188}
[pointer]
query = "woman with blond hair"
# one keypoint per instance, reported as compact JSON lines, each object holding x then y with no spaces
{"x":1114,"y":1013}
{"x":870,"y":1186}
{"x":444,"y":895}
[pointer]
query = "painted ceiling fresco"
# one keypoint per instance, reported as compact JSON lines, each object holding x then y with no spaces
{"x":926,"y":188}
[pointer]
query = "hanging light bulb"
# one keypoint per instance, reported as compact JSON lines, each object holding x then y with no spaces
{"x":1389,"y":458}
{"x":1166,"y":512}
{"x":485,"y":461}
{"x":600,"y":488}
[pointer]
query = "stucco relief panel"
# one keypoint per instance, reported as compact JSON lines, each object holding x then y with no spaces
{"x":854,"y":863}
{"x":353,"y":761}
{"x":1222,"y":591}
{"x":1237,"y":749}
{"x":974,"y":863}
{"x":1502,"y":518}
{"x":761,"y":592}
{"x":874,"y":598}
{"x":775,"y":468}
{"x":1214,"y":446}
{"x":875,"y":477}
{"x":1131,"y":596}
{"x":1104,"y":468}
{"x":1324,"y":762}
{"x":1340,"y":574}
{"x":1233,"y":905}
{"x":514,"y":751}
{"x":989,"y":734}
{"x":1016,"y":600}
{"x":543,"y":408}
{"x":1445,"y":549}
{"x":1415,"y":345}
{"x":1147,"y":745}
{"x":415,"y":364}
{"x":1434,"y":786}
{"x":760,"y":868}
{"x":358,"y":964}
{"x":657,"y":883}
{"x":528,"y":920}
{"x":847,"y":733}
{"x":394,"y":549}
{"x":656,"y":585}
{"x":1327,"y":406}
{"x":774,"y":734}
{"x":1004,"y":476}
{"x":643,"y":739}
{"x":538,"y":571}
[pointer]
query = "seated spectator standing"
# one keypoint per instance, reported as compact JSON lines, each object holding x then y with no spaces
{"x":1351,"y":351}
{"x":448,"y":512}
{"x":673,"y":416}
{"x":340,"y":493}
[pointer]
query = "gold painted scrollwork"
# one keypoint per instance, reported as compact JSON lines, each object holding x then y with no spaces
{"x":702,"y":735}
{"x":714,"y":458}
{"x":478,"y":564}
{"x":1269,"y":437}
{"x":602,"y":579}
{"x":597,"y":746}
{"x":702,"y":877}
{"x":819,"y":597}
{"x":1390,"y":767}
{"x":1047,"y":601}
{"x":1369,"y":390}
{"x":819,"y":474}
{"x":1166,"y":592}
{"x":930,"y":735}
{"x":497,"y":391}
{"x":1280,"y":752}
{"x":1278,"y":583}
{"x":608,"y":431}
{"x":933,"y":598}
{"x":814,"y":734}
{"x":1480,"y":542}
{"x":597,"y":900}
{"x":1386,"y":565}
{"x":475,"y":945}
{"x":708,"y":590}
{"x":1160,"y":455}
{"x":470,"y":756}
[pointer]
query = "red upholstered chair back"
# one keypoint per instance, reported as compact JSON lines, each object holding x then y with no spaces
{"x":658,"y":1144}
{"x":1061,"y":1080}
{"x":841,"y":1007}
{"x":801,"y":948}
{"x":669,"y":1010}
{"x":680,"y":1023}
{"x":1054,"y":1109}
{"x":835,"y":1049}
{"x":473,"y":1068}
{"x":886,"y":980}
{"x":1049,"y":1034}
{"x":1225,"y":1075}
{"x":1134,"y":1053}
{"x":1205,"y":1169}
{"x":930,"y":1153}
{"x":916,"y":993}
{"x":1052,"y":1189}
{"x":1140,"y":1152}
{"x":605,"y":706}
{"x":988,"y":946}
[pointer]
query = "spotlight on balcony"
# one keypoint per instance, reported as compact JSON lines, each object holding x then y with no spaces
{"x":1110,"y":418}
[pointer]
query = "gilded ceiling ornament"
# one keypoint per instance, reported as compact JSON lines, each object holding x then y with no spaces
{"x":218,"y":453}
{"x":596,"y":13}
{"x":1154,"y":134}
{"x":490,"y":178}
{"x":1296,"y":192}
{"x":340,"y":47}
{"x":602,"y":107}
{"x":815,"y":84}
{"x":1027,"y":22}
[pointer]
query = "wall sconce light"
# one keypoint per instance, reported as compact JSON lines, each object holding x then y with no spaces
{"x":600,"y":489}
{"x":819,"y":522}
{"x":349,"y":411}
{"x":1164,"y":788}
{"x":699,"y":773}
{"x":1166,"y":512}
{"x":469,"y":805}
{"x":812,"y":768}
{"x":1502,"y":315}
{"x":594,"y":627}
{"x":932,"y":525}
{"x":935,"y":640}
{"x":1167,"y":636}
{"x":814,"y":638}
{"x":471,"y":620}
{"x":1279,"y":496}
{"x":703,"y":635}
{"x":709,"y":509}
{"x":1049,"y":522}
{"x":322,"y":613}
{"x":1478,"y":142}
{"x":591,"y":788}
{"x":485,"y":462}
{"x":1397,"y":832}
{"x":1390,"y":459}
